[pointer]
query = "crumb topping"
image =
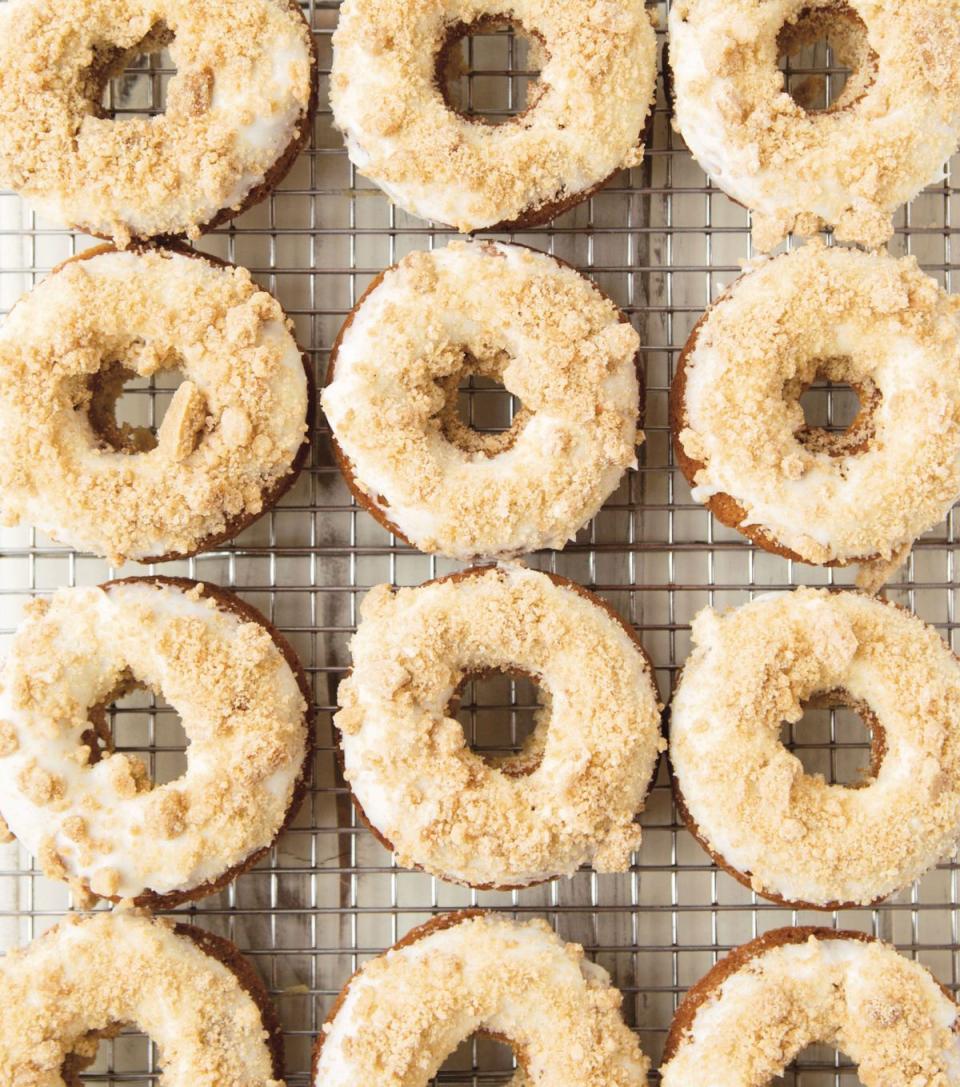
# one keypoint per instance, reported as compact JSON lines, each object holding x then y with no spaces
{"x":790,"y":832}
{"x":596,"y":87}
{"x":230,"y":436}
{"x":100,"y":821}
{"x":883,"y":1011}
{"x":409,"y":1009}
{"x":875,"y":322}
{"x":849,"y":167}
{"x":562,"y":349}
{"x":439,"y":804}
{"x":85,"y":978}
{"x":236,"y":103}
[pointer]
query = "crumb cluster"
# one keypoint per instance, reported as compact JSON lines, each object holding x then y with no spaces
{"x":230,"y":438}
{"x":439,"y":804}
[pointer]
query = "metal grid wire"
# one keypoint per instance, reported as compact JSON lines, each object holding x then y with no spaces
{"x":662,"y":241}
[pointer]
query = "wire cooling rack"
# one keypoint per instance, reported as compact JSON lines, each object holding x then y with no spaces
{"x":662,"y":242}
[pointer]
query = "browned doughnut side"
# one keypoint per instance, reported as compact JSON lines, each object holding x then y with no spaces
{"x":227,"y":953}
{"x":344,"y":463}
{"x":277,"y":172}
{"x":725,"y":508}
{"x":462,"y":575}
{"x":435,"y":924}
{"x":738,"y":958}
{"x":270,"y":497}
{"x":231,"y":603}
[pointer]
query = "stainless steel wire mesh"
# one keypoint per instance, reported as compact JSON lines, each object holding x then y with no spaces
{"x":662,"y":241}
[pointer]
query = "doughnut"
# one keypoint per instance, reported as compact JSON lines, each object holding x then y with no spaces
{"x":871,"y":321}
{"x":192,"y":992}
{"x":787,"y":834}
{"x":238,"y":111}
{"x":404,"y":1012}
{"x":754,"y":1012}
{"x":91,"y":814}
{"x":512,"y":315}
{"x":233,"y":438}
{"x":585,"y":119}
{"x":850,"y":166}
{"x":573,"y":793}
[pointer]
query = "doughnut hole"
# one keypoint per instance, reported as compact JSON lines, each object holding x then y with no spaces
{"x":826,"y":59}
{"x":124,"y":84}
{"x":481,"y":1057}
{"x":134,"y":721}
{"x":818,"y":1064}
{"x":112,"y":1055}
{"x":127,"y":412}
{"x":505,"y":716}
{"x":479,"y":415}
{"x":838,"y":409}
{"x":488,"y":71}
{"x":839,"y":738}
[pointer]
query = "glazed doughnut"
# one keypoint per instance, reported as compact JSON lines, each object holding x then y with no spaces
{"x":91,"y":814}
{"x":238,"y":111}
{"x":192,"y":992}
{"x":573,"y":793}
{"x":753,"y":1013}
{"x":233,"y":438}
{"x":404,"y":1012}
{"x":585,"y":119}
{"x":850,"y":166}
{"x":739,"y":433}
{"x":513,"y":315}
{"x":787,"y":834}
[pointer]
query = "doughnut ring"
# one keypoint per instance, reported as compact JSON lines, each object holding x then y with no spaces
{"x":739,"y":434}
{"x":572,"y":794}
{"x":789,"y":835}
{"x":91,"y":814}
{"x":849,"y":166}
{"x":510,"y":314}
{"x":753,"y":1013}
{"x":233,"y":438}
{"x":192,"y":992}
{"x":404,"y":1012}
{"x":238,"y":111}
{"x":586,"y":118}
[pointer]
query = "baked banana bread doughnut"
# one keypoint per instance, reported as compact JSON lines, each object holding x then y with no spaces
{"x":573,"y":793}
{"x":790,"y":835}
{"x":871,"y":321}
{"x":192,"y":992}
{"x":509,"y":314}
{"x":239,"y":108}
{"x":753,"y":1013}
{"x":234,"y":435}
{"x":462,"y":973}
{"x":585,"y":119}
{"x":849,"y":166}
{"x":91,"y":814}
